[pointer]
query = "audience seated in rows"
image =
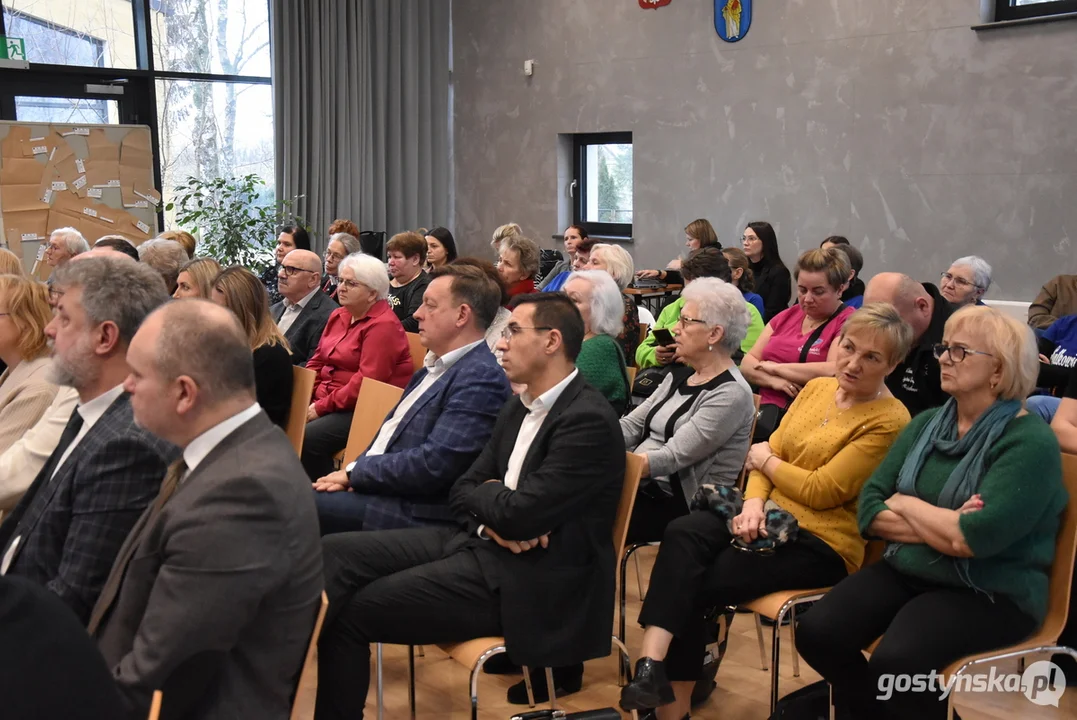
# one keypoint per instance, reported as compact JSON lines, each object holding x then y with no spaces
{"x":616,"y":261}
{"x":64,"y":243}
{"x":305,"y":309}
{"x":195,"y":279}
{"x":117,"y":243}
{"x":916,"y":380}
{"x":1057,"y":298}
{"x":854,"y":293}
{"x":530,"y":557}
{"x":183,"y":237}
{"x":440,"y":248}
{"x":407,"y":279}
{"x":970,"y":530}
{"x":362,"y":339}
{"x":696,"y":426}
{"x":706,"y":262}
{"x":65,"y":531}
{"x":166,"y":257}
{"x":573,"y":236}
{"x":797,"y":346}
{"x":518,"y":261}
{"x":772,"y":280}
{"x":341,"y":244}
{"x":742,"y":277}
{"x":966,"y":281}
{"x":242,"y":292}
{"x":600,"y":361}
{"x":213,"y":597}
{"x":697,"y":234}
{"x":813,"y":468}
{"x":441,"y":423}
{"x":291,"y":237}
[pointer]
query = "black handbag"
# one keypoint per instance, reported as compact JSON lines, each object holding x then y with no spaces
{"x":648,"y":380}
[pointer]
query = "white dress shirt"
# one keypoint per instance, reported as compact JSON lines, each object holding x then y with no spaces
{"x":292,"y":310}
{"x":197,"y":450}
{"x":435,"y":368}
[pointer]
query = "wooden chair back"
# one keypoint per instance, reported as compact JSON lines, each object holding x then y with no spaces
{"x":303,"y":705}
{"x":633,"y":473}
{"x":418,"y":352}
{"x":302,"y":389}
{"x":631,"y":371}
{"x":742,"y":481}
{"x":376,"y":400}
{"x":155,"y":706}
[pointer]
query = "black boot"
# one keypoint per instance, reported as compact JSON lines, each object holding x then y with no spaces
{"x":566,"y":680}
{"x":501,"y":665}
{"x":649,"y":687}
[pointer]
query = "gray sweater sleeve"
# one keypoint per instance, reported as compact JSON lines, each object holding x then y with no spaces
{"x":716,"y":417}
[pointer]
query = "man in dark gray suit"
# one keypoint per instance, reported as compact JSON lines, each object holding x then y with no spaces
{"x":305,"y":310}
{"x":214,"y":594}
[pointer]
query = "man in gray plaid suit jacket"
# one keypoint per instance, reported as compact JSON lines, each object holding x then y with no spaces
{"x":67,"y":529}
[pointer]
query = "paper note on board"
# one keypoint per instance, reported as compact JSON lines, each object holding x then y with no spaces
{"x":94,"y":193}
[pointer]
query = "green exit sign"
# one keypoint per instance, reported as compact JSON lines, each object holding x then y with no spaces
{"x":12,"y":48}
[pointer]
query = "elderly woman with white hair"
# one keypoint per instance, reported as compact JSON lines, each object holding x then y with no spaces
{"x":64,"y":244}
{"x":363,"y":338}
{"x":695,"y":427}
{"x":616,"y":261}
{"x":600,"y":360}
{"x":966,"y":281}
{"x":340,"y":246}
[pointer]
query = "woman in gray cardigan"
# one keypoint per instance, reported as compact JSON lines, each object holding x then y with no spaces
{"x":695,"y":428}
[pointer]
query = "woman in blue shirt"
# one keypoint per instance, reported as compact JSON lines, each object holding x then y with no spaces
{"x":743,"y":279}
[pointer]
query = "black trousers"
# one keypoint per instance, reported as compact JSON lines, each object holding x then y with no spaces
{"x":324,"y":438}
{"x":697,"y":569}
{"x":400,"y":587}
{"x":653,"y":511}
{"x":924,"y":626}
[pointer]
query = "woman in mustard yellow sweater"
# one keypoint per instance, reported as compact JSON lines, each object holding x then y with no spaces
{"x":836,"y":432}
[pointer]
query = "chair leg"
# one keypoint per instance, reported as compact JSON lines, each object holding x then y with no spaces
{"x":793,"y":640}
{"x":411,"y":680}
{"x":639,"y":576}
{"x":762,"y":647}
{"x":623,"y":658}
{"x":381,"y":688}
{"x":422,"y":652}
{"x":623,"y":666}
{"x":830,"y":699}
{"x":527,"y":684}
{"x":475,"y":672}
{"x":550,"y":688}
{"x":774,"y":659}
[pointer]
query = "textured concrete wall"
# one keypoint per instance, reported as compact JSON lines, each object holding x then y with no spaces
{"x":890,"y":122}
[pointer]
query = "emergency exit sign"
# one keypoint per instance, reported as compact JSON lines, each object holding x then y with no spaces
{"x":12,"y":48}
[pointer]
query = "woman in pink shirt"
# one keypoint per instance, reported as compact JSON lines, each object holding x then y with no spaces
{"x":795,"y":347}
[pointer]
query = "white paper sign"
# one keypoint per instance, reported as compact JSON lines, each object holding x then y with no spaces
{"x":143,"y":227}
{"x":47,"y":197}
{"x":80,"y":182}
{"x":59,"y":185}
{"x":40,"y":149}
{"x":94,"y":192}
{"x":139,"y":204}
{"x":89,"y":211}
{"x":37,"y":139}
{"x":110,"y":183}
{"x":147,"y":197}
{"x":105,"y":219}
{"x":77,"y":131}
{"x":40,"y":255}
{"x":80,"y":166}
{"x":27,"y":237}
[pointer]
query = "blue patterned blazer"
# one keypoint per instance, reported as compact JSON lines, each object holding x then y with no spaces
{"x":73,"y":525}
{"x":438,"y":439}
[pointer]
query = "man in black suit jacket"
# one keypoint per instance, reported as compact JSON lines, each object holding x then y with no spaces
{"x":532,"y":558}
{"x":305,"y":310}
{"x":68,"y":527}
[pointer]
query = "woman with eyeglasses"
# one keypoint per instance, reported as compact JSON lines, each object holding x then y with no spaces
{"x":966,"y":281}
{"x":290,"y":238}
{"x":968,"y":502}
{"x":813,"y":468}
{"x":341,"y":245}
{"x":362,"y":339}
{"x":772,"y":281}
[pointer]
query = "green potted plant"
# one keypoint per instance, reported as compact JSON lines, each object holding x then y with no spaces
{"x":234,"y":219}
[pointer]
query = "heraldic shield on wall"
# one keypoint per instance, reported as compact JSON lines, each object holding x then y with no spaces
{"x":732,"y":18}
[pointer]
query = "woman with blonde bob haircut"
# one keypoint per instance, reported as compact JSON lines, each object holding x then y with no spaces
{"x":968,"y":501}
{"x":616,"y":261}
{"x":242,"y":292}
{"x":25,"y":389}
{"x":196,"y":278}
{"x":10,"y":264}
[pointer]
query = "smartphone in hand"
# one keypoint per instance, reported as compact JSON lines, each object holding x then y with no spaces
{"x":663,"y":337}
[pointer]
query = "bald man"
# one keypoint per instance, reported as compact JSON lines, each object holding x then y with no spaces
{"x":213,"y":596}
{"x":305,"y":309}
{"x":915,"y":381}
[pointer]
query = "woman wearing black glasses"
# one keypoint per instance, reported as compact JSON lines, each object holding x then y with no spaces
{"x":968,"y":501}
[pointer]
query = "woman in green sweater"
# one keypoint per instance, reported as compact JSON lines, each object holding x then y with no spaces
{"x":600,"y":360}
{"x":968,"y":501}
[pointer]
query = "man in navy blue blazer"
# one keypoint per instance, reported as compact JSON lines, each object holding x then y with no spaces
{"x":441,"y":424}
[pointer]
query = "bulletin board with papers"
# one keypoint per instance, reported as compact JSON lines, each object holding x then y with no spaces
{"x":96,"y":178}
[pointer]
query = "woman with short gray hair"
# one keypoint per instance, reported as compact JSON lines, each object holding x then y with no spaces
{"x":600,"y":360}
{"x":362,"y":339}
{"x":966,"y":282}
{"x":340,"y":246}
{"x":695,"y":427}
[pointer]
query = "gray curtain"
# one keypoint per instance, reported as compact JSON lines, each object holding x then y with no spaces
{"x":362,"y":109}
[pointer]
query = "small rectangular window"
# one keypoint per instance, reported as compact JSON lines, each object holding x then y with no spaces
{"x":1021,"y":9}
{"x":602,"y":190}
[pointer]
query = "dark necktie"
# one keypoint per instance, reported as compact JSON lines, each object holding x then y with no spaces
{"x":119,"y":568}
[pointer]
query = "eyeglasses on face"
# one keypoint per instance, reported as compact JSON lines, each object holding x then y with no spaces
{"x":959,"y":281}
{"x":329,"y":255}
{"x":957,"y":353}
{"x":685,"y":320}
{"x":55,"y":295}
{"x":351,"y":284}
{"x":512,"y":330}
{"x":291,"y":270}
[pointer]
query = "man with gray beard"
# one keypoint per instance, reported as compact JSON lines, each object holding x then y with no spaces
{"x":68,"y":527}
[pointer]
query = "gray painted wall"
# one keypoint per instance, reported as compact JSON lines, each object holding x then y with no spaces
{"x":890,"y":122}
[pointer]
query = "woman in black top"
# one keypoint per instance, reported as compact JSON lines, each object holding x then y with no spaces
{"x":772,"y":280}
{"x":292,"y":237}
{"x":241,"y":292}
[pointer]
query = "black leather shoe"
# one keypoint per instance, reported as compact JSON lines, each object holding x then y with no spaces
{"x":649,"y":687}
{"x":501,"y":665}
{"x":566,"y":680}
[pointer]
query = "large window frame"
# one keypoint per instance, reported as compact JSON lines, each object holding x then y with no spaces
{"x":139,"y":104}
{"x":580,"y":143}
{"x":1005,"y":10}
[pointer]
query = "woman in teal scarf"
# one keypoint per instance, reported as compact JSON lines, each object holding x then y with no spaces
{"x":968,"y":501}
